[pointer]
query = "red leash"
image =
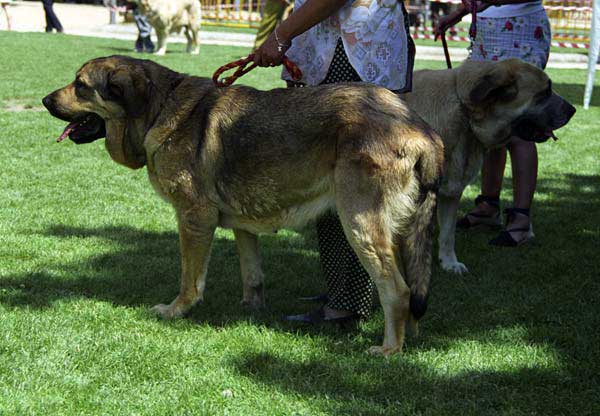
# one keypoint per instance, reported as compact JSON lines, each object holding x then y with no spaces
{"x":243,"y":68}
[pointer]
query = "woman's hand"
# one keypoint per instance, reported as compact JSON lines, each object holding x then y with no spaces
{"x":447,"y":21}
{"x":271,"y":52}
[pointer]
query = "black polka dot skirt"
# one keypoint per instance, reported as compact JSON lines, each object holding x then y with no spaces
{"x":340,"y":69}
{"x":349,"y":285}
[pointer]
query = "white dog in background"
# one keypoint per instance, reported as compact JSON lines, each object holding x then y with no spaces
{"x":170,"y":16}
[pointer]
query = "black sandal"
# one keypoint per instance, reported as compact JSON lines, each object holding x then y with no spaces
{"x":483,"y":220}
{"x":320,"y":298}
{"x":505,"y":239}
{"x":317,"y":317}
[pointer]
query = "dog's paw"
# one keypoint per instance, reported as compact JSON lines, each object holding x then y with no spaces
{"x":195,"y":52}
{"x":454,"y":267}
{"x":160,"y":52}
{"x":167,"y":311}
{"x":382,"y":351}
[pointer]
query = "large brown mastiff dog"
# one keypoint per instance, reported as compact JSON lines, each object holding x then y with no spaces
{"x":476,"y":107}
{"x":257,"y":161}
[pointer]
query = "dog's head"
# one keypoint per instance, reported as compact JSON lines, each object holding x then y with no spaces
{"x":511,"y":98}
{"x":109,"y":98}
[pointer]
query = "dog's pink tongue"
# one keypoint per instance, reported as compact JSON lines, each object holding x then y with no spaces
{"x":551,"y":134}
{"x":66,"y":132}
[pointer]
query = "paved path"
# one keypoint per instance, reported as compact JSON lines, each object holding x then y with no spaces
{"x":86,"y":20}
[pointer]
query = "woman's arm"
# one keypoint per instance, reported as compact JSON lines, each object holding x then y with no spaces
{"x":464,"y":9}
{"x":308,"y":15}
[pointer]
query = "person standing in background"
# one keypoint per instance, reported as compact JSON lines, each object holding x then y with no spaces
{"x":52,"y":21}
{"x":143,"y":42}
{"x":509,"y":29}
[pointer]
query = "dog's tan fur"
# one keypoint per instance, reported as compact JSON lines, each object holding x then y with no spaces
{"x":474,"y":108}
{"x":257,"y":161}
{"x":171,"y":16}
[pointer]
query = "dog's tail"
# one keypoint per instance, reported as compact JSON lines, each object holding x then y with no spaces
{"x":417,"y":246}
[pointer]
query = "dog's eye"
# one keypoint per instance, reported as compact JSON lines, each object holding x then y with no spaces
{"x":79,"y":85}
{"x":115,"y":90}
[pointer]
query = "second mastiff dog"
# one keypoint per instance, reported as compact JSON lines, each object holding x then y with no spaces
{"x":257,"y":161}
{"x":476,"y":107}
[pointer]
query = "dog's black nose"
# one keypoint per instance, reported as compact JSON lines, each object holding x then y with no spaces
{"x":47,"y":101}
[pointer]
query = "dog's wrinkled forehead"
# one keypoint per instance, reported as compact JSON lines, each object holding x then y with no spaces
{"x":532,"y":79}
{"x":97,"y":70}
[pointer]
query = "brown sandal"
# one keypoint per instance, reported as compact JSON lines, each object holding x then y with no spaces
{"x":505,"y":238}
{"x":474,"y":220}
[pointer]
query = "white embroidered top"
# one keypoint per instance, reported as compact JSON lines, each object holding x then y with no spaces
{"x":374,"y":38}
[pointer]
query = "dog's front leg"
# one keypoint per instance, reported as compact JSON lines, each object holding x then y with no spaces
{"x":196,"y":230}
{"x":252,"y":274}
{"x":446,"y":213}
{"x":161,"y":42}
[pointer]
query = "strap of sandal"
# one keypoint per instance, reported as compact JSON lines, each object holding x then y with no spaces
{"x":523,"y":211}
{"x":493,"y":201}
{"x":510,"y":215}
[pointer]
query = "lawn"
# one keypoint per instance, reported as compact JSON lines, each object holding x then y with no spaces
{"x":86,"y":248}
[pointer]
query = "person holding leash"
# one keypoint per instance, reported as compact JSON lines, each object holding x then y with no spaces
{"x":343,"y":41}
{"x":509,"y":29}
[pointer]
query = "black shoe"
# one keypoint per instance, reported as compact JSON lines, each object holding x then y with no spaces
{"x":321,"y":298}
{"x":317,"y":317}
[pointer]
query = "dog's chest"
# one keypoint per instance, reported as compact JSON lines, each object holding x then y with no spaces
{"x":176,"y":188}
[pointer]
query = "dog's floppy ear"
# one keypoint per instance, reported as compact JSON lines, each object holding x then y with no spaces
{"x":498,"y":84}
{"x":129,"y":85}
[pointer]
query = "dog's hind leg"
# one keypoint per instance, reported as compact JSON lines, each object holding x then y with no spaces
{"x":196,"y":230}
{"x":192,"y":42}
{"x":364,"y":222}
{"x":161,"y":44}
{"x":252,"y":274}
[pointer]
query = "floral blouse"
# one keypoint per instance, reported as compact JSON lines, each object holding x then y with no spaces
{"x":375,"y":38}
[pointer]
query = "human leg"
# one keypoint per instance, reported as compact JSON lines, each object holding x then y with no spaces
{"x":5,"y":7}
{"x":487,"y":205}
{"x":52,"y":21}
{"x":144,"y":41}
{"x":524,"y":162}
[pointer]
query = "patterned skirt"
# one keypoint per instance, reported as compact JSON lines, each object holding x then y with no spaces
{"x":525,"y":37}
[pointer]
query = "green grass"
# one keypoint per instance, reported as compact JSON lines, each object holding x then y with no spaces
{"x":86,"y":248}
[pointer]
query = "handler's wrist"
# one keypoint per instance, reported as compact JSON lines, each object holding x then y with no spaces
{"x":283,"y":35}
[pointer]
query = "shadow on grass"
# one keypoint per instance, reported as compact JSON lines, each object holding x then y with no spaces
{"x":367,"y":385}
{"x":144,"y":270}
{"x":546,"y":294}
